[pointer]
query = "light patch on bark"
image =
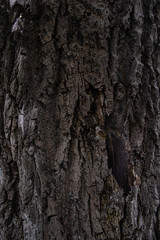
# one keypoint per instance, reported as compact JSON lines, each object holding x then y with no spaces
{"x":20,"y":2}
{"x":1,"y":179}
{"x":18,"y":25}
{"x":12,"y":2}
{"x":21,"y":119}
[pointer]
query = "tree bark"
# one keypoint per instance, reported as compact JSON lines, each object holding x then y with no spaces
{"x":79,"y":120}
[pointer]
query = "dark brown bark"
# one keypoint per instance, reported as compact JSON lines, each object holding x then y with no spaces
{"x":79,"y":120}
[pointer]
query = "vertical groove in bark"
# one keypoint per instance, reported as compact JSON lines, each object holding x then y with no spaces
{"x":79,"y":119}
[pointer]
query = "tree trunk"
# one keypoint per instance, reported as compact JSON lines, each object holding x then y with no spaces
{"x":79,"y":120}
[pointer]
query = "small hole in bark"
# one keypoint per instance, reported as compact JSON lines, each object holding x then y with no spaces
{"x":117,"y":160}
{"x":93,"y":108}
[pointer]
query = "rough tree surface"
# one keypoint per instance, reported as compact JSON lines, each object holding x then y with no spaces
{"x":79,"y":119}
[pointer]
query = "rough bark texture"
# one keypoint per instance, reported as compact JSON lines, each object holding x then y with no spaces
{"x":79,"y":119}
